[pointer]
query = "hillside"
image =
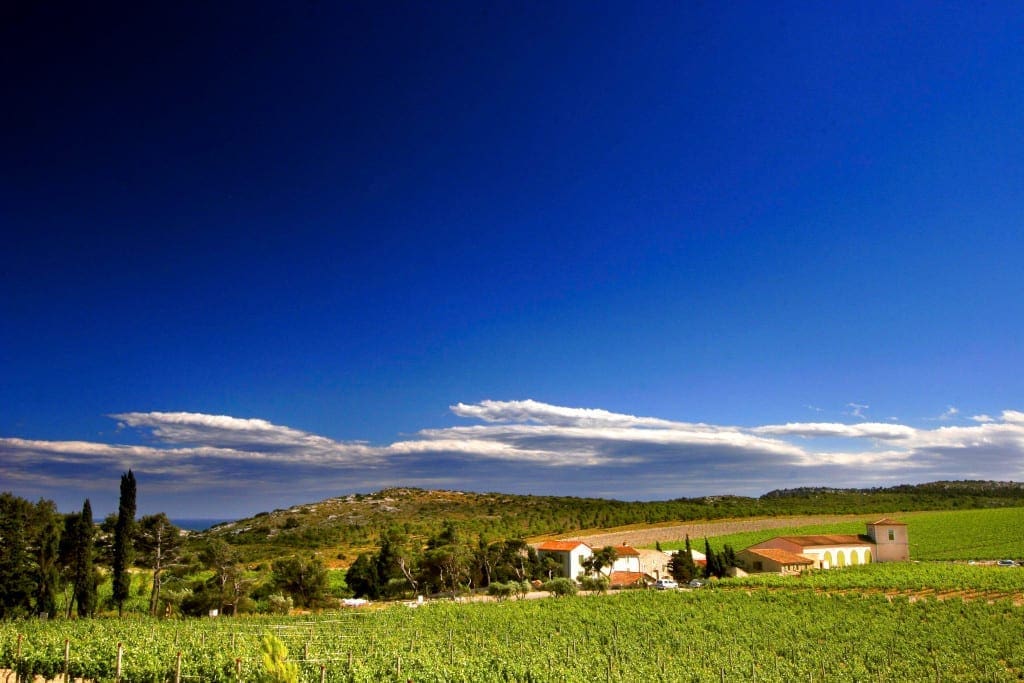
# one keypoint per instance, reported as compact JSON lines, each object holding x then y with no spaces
{"x":342,"y":527}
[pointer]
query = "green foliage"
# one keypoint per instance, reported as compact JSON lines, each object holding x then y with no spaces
{"x":362,"y":577}
{"x":305,"y":581}
{"x":560,"y":587}
{"x":84,"y":577}
{"x":595,"y":584}
{"x":16,"y":567}
{"x":772,"y":636}
{"x":276,"y":668}
{"x":501,"y":591}
{"x":123,"y":550}
{"x":601,"y":558}
{"x":350,"y":525}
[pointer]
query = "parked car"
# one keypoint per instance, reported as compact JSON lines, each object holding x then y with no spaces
{"x":696,"y":583}
{"x":665,"y":584}
{"x":1006,"y":563}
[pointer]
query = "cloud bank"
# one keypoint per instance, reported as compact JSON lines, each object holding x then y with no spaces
{"x":202,"y":463}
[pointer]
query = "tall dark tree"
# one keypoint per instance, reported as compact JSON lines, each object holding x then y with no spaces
{"x":16,"y":566}
{"x":46,"y":551}
{"x":67,"y":556}
{"x":84,"y":578}
{"x":681,"y":565}
{"x":124,"y":551}
{"x":362,"y":577}
{"x":159,"y":544}
{"x":713,"y":565}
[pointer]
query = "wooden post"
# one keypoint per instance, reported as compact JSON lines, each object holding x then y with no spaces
{"x":177,"y":668}
{"x":120,"y":655}
{"x":398,"y":667}
{"x":21,"y":637}
{"x":350,"y":660}
{"x":305,"y":650}
{"x":238,"y":668}
{"x":67,"y":660}
{"x":323,"y":673}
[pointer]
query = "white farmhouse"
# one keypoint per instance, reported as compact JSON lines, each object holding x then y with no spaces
{"x":569,"y":554}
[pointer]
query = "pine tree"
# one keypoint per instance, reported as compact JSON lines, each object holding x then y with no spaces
{"x":85,"y":580}
{"x":16,"y":582}
{"x":123,"y":545}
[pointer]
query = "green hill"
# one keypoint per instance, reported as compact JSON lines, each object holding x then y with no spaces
{"x":340,"y":528}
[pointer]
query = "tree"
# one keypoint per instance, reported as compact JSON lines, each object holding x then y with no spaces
{"x":727,"y":560}
{"x":362,"y":577}
{"x":227,"y":579}
{"x":159,"y":544}
{"x":681,"y":566}
{"x":304,"y":580}
{"x":605,"y":557}
{"x":16,"y":566}
{"x":446,"y":562}
{"x":84,"y":577}
{"x":714,"y":566}
{"x":396,"y":562}
{"x":123,"y":546}
{"x":276,"y":667}
{"x":46,"y":549}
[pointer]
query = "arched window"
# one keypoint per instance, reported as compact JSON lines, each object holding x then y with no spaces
{"x":840,"y":558}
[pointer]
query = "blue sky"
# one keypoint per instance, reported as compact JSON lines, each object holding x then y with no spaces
{"x":269,"y":254}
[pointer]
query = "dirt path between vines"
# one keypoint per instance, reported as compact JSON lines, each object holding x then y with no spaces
{"x":645,"y":536}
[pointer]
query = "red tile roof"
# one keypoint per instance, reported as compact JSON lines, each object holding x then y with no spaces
{"x":626,"y":551}
{"x":820,"y":541}
{"x":560,"y":546}
{"x":780,"y":556}
{"x":626,"y":578}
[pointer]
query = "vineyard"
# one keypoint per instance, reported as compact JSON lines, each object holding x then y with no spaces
{"x":944,"y":535}
{"x":711,"y":634}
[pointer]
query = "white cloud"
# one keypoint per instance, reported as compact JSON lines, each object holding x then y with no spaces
{"x":857,"y":409}
{"x":869,"y":430}
{"x":525,"y":446}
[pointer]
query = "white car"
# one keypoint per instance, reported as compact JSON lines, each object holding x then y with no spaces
{"x":665,"y":584}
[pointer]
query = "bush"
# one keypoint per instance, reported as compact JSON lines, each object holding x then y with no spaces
{"x":501,"y":591}
{"x":279,"y":604}
{"x":560,"y":587}
{"x":597,"y":584}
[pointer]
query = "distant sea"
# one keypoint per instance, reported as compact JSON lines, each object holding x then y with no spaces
{"x":197,"y":524}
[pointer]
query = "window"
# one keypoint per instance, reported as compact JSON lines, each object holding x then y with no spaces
{"x":892,"y":534}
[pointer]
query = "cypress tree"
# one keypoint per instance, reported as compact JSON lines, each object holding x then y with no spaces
{"x":47,"y":557}
{"x":85,"y":581}
{"x":123,"y":546}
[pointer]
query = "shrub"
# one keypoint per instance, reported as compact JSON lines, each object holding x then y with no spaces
{"x":501,"y":591}
{"x":598,"y":584}
{"x":560,"y":587}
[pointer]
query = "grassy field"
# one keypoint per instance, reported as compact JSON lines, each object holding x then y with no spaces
{"x":944,"y":535}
